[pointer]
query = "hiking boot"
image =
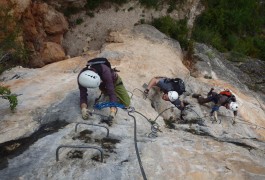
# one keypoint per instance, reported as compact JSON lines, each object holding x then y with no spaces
{"x":186,"y":103}
{"x":196,"y":96}
{"x":108,"y":121}
{"x":112,"y":116}
{"x":233,"y":122}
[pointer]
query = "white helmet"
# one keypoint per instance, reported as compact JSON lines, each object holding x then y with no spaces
{"x":172,"y":95}
{"x":233,"y":106}
{"x":89,"y":79}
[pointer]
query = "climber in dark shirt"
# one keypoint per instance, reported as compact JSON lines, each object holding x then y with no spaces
{"x":108,"y":81}
{"x":167,"y":89}
{"x":224,"y":98}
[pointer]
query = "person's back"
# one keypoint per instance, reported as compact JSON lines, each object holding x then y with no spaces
{"x":98,"y":73}
{"x":107,"y":78}
{"x":223,"y":98}
{"x":164,"y":85}
{"x":169,"y":93}
{"x":169,"y":84}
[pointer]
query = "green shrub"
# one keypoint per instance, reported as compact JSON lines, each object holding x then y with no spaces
{"x":236,"y":57}
{"x":90,"y":14}
{"x":119,"y":2}
{"x":79,"y":21}
{"x":142,"y":21}
{"x":260,"y":44}
{"x":176,"y":29}
{"x":93,"y":4}
{"x":164,"y":24}
{"x":150,"y":3}
{"x":232,"y":26}
{"x":5,"y":93}
{"x":70,"y":10}
{"x":130,"y":9}
{"x":172,"y":5}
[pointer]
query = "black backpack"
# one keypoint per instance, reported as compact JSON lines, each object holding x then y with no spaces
{"x":94,"y":63}
{"x":178,"y":85}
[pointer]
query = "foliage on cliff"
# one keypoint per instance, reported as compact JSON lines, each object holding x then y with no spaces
{"x":236,"y":26}
{"x":5,"y":93}
{"x":12,"y":51}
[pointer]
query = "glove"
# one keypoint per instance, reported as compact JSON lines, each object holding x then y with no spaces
{"x":146,"y":91}
{"x":113,"y":112}
{"x":85,"y":113}
{"x":196,"y":96}
{"x":112,"y":115}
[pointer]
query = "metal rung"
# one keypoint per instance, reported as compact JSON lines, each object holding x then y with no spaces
{"x":92,"y":125}
{"x":72,"y":146}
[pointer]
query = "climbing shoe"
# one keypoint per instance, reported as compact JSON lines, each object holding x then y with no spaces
{"x":108,"y":121}
{"x":196,"y":95}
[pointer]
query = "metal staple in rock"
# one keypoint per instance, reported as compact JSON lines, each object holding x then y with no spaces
{"x":74,"y":146}
{"x":92,"y":125}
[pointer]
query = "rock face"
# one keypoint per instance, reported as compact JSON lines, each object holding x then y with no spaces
{"x":248,"y":73}
{"x":195,"y":148}
{"x":97,"y":28}
{"x":43,"y":28}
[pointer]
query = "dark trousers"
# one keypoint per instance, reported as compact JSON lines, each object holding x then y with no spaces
{"x":212,"y":97}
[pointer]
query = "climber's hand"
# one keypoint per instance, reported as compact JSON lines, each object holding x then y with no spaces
{"x":113,"y":111}
{"x":85,"y":114}
{"x":146,"y":91}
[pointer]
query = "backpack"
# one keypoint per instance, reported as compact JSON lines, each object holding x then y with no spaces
{"x":178,"y":85}
{"x":229,"y":94}
{"x":93,"y":63}
{"x":226,"y":92}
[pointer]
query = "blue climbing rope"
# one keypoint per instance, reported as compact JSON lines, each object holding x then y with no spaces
{"x":102,"y":105}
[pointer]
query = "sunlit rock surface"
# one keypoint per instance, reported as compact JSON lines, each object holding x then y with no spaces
{"x":192,"y":149}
